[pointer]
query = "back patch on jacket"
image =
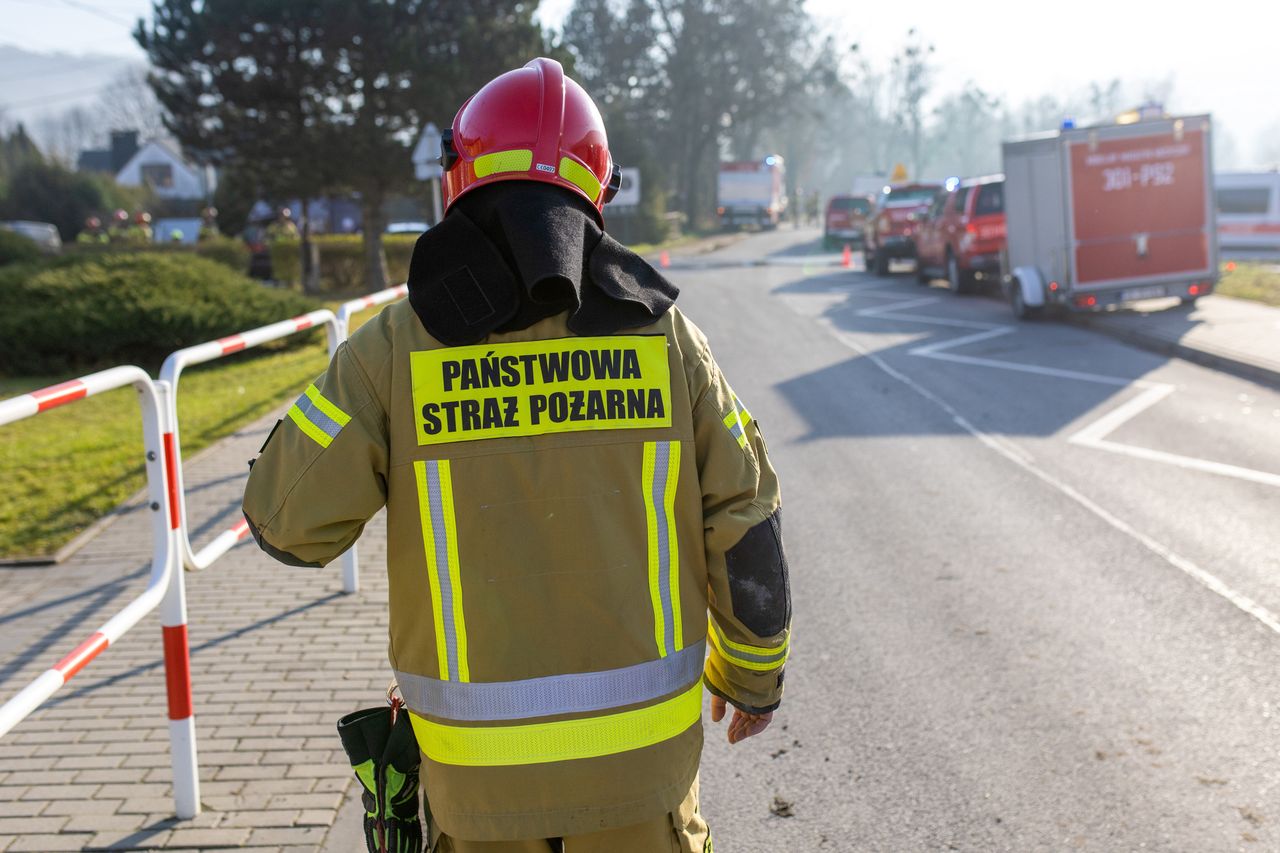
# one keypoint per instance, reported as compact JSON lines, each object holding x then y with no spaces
{"x":539,"y":387}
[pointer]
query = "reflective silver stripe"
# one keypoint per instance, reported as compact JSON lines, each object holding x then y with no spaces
{"x":443,"y":569}
{"x":323,"y":422}
{"x":553,"y":694}
{"x":736,"y":651}
{"x":662,"y":464}
{"x":735,"y":429}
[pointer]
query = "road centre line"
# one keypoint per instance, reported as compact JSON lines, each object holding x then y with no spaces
{"x":1205,"y":578}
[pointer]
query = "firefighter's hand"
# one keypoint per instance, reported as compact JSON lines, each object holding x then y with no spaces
{"x":743,"y":725}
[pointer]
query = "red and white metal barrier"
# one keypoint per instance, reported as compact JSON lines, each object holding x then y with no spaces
{"x":351,"y":558}
{"x":164,"y":586}
{"x":170,"y":372}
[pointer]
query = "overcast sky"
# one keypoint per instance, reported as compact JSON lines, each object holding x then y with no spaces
{"x":1223,"y":58}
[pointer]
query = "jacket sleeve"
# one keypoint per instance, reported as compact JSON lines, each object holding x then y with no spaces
{"x":750,"y":597}
{"x":322,"y":472}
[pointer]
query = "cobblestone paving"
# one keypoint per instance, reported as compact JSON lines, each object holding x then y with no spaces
{"x":278,"y":654}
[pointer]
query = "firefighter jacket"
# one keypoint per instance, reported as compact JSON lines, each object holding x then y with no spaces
{"x":582,"y":532}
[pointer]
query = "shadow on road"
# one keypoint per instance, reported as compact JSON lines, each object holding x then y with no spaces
{"x":1002,"y":378}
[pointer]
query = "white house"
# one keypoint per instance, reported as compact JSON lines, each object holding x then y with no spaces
{"x":159,"y":166}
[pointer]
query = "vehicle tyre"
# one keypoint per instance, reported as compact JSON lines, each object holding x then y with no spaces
{"x":1188,"y":301}
{"x":881,"y":264}
{"x":922,"y":277}
{"x":958,"y":279}
{"x":1021,"y":310}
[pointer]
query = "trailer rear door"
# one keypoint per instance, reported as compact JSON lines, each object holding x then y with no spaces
{"x":1141,"y":205}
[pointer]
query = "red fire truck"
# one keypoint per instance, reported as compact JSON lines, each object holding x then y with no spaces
{"x":752,"y":192}
{"x":1100,"y":216}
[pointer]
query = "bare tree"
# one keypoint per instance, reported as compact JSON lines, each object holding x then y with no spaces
{"x":912,"y":78}
{"x":64,"y":135}
{"x":128,"y":103}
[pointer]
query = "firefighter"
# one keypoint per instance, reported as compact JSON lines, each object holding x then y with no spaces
{"x":583,"y":525}
{"x":209,"y":225}
{"x":93,"y":233}
{"x":140,"y":233}
{"x":283,"y":227}
{"x":119,"y":231}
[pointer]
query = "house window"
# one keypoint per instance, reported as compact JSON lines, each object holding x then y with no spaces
{"x":158,"y":176}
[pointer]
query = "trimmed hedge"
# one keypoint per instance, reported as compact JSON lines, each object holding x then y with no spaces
{"x":15,"y":248}
{"x":232,"y":254}
{"x":342,"y":261}
{"x":85,"y":313}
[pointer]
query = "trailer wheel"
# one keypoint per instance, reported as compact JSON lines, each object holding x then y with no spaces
{"x":1021,"y":310}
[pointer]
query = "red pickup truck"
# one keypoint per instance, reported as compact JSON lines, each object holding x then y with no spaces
{"x":846,"y":220}
{"x":891,"y":230}
{"x":962,"y":234}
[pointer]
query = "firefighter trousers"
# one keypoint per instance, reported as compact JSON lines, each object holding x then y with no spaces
{"x":681,"y":831}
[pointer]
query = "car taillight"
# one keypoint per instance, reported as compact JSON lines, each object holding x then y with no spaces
{"x":1053,"y":286}
{"x":1086,"y":301}
{"x":720,"y":211}
{"x":1193,"y":290}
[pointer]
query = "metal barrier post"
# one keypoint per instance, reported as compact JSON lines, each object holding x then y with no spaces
{"x":177,"y":648}
{"x":351,"y":558}
{"x":160,"y":584}
{"x":170,"y":371}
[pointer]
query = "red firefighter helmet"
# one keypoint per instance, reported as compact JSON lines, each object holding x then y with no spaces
{"x":530,"y":124}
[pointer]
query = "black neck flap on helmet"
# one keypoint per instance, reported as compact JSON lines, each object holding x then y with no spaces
{"x":510,"y":254}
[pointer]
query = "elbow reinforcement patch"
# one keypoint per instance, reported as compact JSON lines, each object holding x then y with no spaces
{"x":758,"y":583}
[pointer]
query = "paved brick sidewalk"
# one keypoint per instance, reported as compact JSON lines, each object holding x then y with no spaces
{"x":278,"y":654}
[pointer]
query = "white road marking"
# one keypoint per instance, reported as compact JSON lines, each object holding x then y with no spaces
{"x":1207,"y":579}
{"x":1092,"y":435}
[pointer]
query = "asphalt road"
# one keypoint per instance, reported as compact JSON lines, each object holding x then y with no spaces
{"x":1036,"y":575}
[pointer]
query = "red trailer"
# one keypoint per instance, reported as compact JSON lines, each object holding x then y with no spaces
{"x":1104,"y":215}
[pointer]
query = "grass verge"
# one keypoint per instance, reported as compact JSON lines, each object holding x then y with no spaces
{"x":1256,"y":281}
{"x":64,"y":469}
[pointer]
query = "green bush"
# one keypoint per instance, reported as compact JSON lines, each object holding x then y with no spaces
{"x":342,"y":261}
{"x":229,"y":252}
{"x":80,"y":313}
{"x":232,"y":254}
{"x":15,"y":248}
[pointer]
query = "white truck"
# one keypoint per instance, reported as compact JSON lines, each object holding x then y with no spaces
{"x":752,"y":192}
{"x":1100,"y":216}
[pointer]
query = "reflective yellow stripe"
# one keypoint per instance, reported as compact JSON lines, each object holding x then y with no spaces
{"x":736,"y":428}
{"x":661,"y":477}
{"x":433,"y":577}
{"x":440,"y":545}
{"x":581,"y":176}
{"x":340,"y":417}
{"x":673,"y":545}
{"x":651,"y":525}
{"x":759,"y":658}
{"x":309,"y":429}
{"x":516,"y":160}
{"x":451,"y":537}
{"x":564,"y":740}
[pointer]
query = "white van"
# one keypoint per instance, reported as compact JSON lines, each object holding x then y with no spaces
{"x":1248,"y":210}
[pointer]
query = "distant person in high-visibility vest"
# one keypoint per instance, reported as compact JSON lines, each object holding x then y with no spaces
{"x":583,"y":525}
{"x":93,"y":234}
